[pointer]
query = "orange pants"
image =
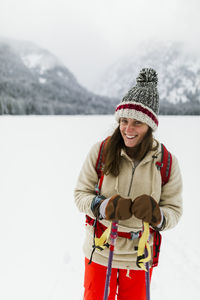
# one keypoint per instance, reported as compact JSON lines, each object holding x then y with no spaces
{"x":131,"y":287}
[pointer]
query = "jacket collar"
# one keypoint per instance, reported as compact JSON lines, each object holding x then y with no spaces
{"x":150,"y":155}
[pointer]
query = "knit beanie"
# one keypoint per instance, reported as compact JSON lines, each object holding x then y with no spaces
{"x":142,"y":101}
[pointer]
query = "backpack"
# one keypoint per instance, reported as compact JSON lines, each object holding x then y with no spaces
{"x":164,"y":166}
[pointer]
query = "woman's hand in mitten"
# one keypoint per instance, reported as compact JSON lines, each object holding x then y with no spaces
{"x":147,"y":209}
{"x":116,"y":208}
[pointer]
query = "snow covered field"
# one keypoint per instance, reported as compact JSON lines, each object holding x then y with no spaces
{"x":41,"y":230}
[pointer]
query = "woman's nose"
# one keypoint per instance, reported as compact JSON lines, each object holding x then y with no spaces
{"x":129,"y":128}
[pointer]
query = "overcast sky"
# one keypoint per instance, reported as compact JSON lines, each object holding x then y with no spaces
{"x":88,"y":35}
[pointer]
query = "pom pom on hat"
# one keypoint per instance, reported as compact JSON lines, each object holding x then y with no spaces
{"x":142,"y":101}
{"x":147,"y":76}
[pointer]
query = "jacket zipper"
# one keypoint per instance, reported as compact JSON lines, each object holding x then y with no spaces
{"x":133,"y":171}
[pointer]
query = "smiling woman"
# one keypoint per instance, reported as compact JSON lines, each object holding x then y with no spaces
{"x":129,"y":192}
{"x":132,"y":131}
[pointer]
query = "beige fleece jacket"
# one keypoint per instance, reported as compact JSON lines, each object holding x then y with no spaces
{"x":131,"y":183}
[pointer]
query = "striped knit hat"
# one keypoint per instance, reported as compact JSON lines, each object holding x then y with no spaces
{"x":142,"y":101}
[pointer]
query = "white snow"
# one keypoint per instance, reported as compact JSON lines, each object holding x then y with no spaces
{"x":60,"y":74}
{"x":32,"y":60}
{"x":43,"y":61}
{"x":41,"y":230}
{"x":42,"y":80}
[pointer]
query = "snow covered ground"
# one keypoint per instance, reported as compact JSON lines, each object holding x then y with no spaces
{"x":41,"y":230}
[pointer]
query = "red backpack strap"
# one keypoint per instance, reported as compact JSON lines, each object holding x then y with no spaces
{"x":99,"y":161}
{"x":156,"y":247}
{"x":165,"y":165}
{"x":165,"y":170}
{"x":99,"y":165}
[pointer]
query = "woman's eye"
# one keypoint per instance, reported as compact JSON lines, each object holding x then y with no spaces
{"x":124,"y":121}
{"x":138,"y":122}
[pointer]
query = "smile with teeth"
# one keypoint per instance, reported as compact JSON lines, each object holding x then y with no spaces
{"x":130,"y":136}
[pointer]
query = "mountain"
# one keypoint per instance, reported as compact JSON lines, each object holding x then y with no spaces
{"x":178,"y":71}
{"x":34,"y":81}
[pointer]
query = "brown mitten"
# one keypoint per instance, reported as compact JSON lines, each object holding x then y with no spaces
{"x":118,"y":208}
{"x":147,"y":209}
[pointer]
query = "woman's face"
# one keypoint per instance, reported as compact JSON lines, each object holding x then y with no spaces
{"x":132,"y":131}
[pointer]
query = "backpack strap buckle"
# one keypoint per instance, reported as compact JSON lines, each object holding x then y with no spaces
{"x":134,"y":235}
{"x":159,"y":165}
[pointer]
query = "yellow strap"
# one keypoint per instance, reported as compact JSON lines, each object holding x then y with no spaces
{"x":141,"y":248}
{"x":101,"y":242}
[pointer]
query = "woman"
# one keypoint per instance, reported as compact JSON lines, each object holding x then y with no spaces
{"x":131,"y":193}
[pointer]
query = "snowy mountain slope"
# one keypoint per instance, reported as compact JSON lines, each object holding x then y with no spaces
{"x":33,"y":56}
{"x":34,"y":81}
{"x":178,"y":70}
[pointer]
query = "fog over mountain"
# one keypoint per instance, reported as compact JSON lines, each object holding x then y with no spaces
{"x":34,"y":81}
{"x":178,"y":71}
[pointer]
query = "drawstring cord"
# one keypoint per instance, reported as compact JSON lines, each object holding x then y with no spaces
{"x":128,"y":273}
{"x":117,"y":184}
{"x":153,"y":179}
